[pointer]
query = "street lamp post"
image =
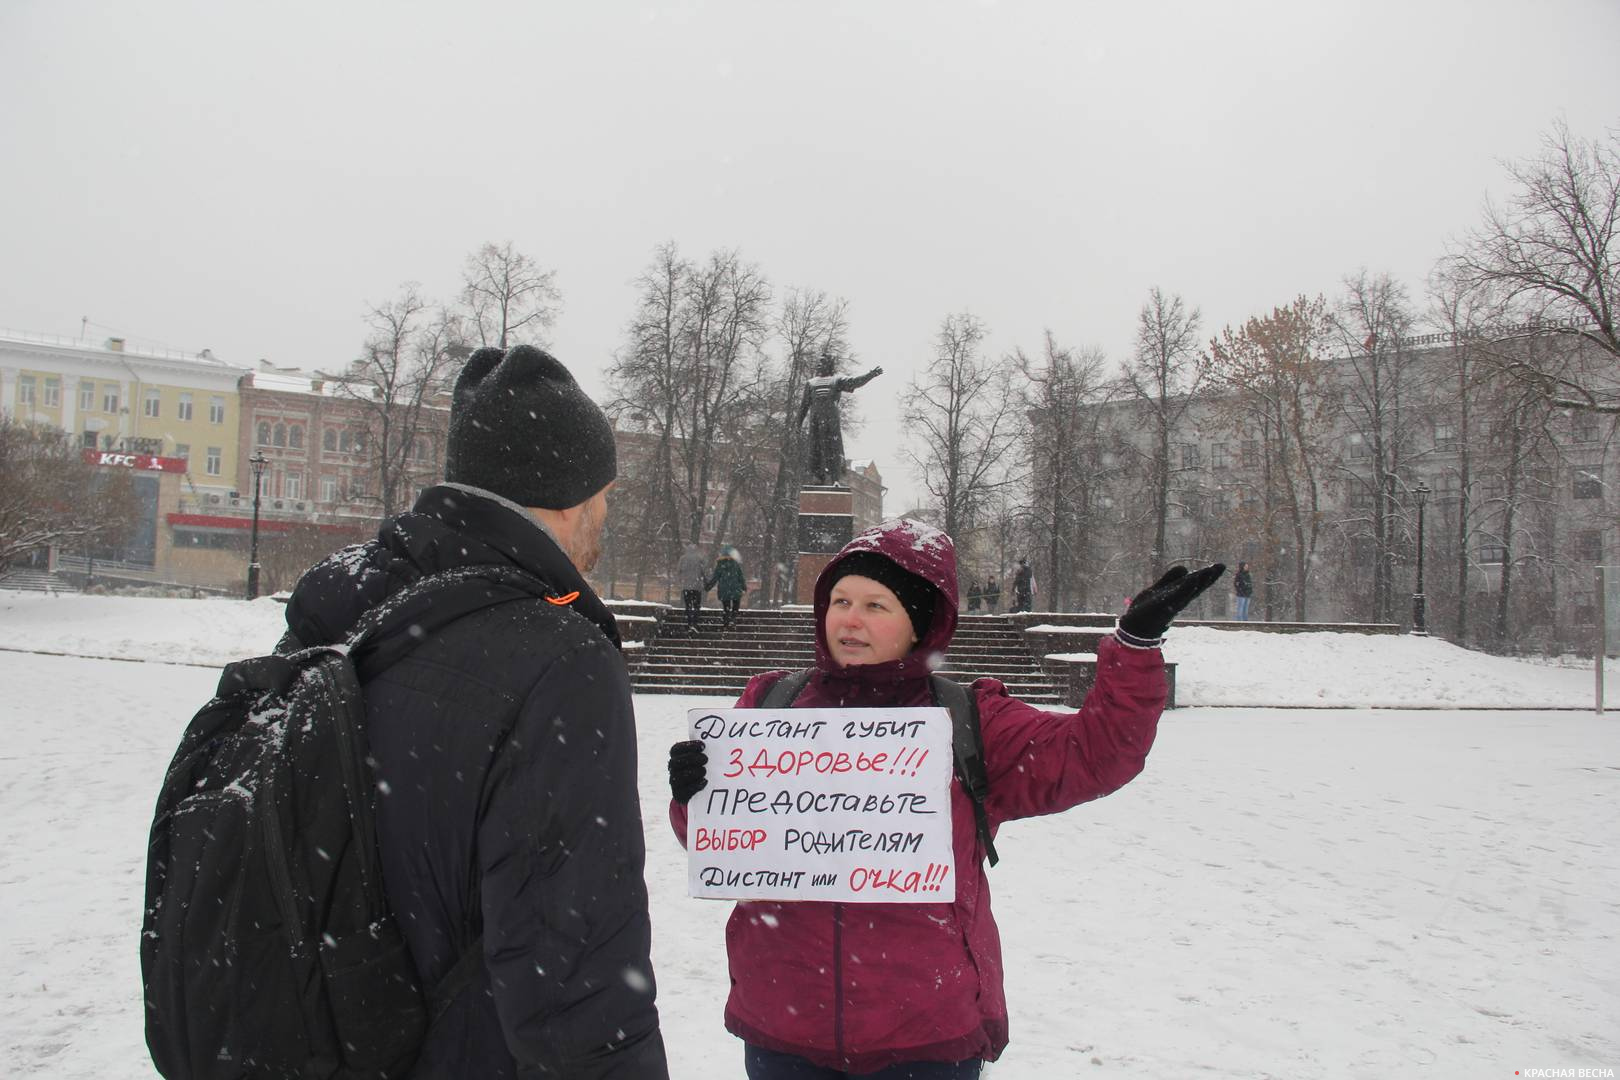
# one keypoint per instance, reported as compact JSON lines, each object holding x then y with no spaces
{"x":1419,"y":601}
{"x":257,"y":462}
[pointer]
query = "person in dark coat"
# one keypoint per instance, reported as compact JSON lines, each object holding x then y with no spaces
{"x":1023,"y":587}
{"x":831,"y":991}
{"x":1243,"y":589}
{"x":729,"y":583}
{"x":992,"y":595}
{"x":975,"y":596}
{"x":505,"y":745}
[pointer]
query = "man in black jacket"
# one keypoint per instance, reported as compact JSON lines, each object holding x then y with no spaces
{"x":505,"y":745}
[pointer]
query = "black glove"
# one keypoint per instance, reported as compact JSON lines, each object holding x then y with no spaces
{"x":688,"y":765}
{"x":1149,"y":615}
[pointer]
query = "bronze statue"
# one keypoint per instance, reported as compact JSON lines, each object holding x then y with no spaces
{"x":824,"y":458}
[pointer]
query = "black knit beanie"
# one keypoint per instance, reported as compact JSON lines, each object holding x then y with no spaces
{"x":916,"y":595}
{"x":521,"y":427}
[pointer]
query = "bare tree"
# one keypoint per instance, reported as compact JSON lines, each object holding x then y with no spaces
{"x":508,"y":298}
{"x":1062,"y":450}
{"x":1547,"y":260}
{"x":1372,"y":318}
{"x":1165,"y":375}
{"x":51,"y":497}
{"x":688,"y":381}
{"x":809,"y":324}
{"x":726,"y":319}
{"x":400,"y":385}
{"x":1457,"y":310}
{"x":1275,"y":375}
{"x":962,"y":411}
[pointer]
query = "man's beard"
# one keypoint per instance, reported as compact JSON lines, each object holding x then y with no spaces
{"x":586,"y":547}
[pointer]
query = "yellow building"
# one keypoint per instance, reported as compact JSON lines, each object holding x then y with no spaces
{"x":171,"y":418}
{"x":113,"y":397}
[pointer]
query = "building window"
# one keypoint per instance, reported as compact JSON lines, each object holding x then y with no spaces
{"x":53,"y":393}
{"x":109,"y":399}
{"x":357,"y":488}
{"x":25,"y":390}
{"x":1251,"y":453}
{"x":263,"y":434}
{"x":216,"y":410}
{"x":183,"y":410}
{"x":423,"y":450}
{"x":1217,"y":455}
{"x":345,"y":440}
{"x":1445,"y":438}
{"x":1587,"y":481}
{"x":1361,"y":496}
{"x":154,"y":404}
{"x":328,"y":487}
{"x":87,"y":396}
{"x":88,"y":440}
{"x":1190,"y":458}
{"x":1492,"y":553}
{"x":293,"y":486}
{"x":329,"y":441}
{"x":1589,"y":546}
{"x":295,"y":437}
{"x":281,"y":434}
{"x":1583,"y":425}
{"x":212,"y":466}
{"x":182,"y":451}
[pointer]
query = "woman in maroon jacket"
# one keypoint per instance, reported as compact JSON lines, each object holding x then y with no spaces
{"x":829,"y":990}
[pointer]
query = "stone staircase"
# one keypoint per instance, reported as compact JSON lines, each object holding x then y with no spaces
{"x":719,"y":662}
{"x":24,"y":580}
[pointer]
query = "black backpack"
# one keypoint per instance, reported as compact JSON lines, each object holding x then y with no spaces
{"x":967,"y":741}
{"x":267,"y":947}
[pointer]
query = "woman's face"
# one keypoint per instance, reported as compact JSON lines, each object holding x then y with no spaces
{"x":866,"y":623}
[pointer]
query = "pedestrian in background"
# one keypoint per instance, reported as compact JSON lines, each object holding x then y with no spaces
{"x":729,"y":583}
{"x":1243,"y":589}
{"x":690,"y":576}
{"x":1023,"y":587}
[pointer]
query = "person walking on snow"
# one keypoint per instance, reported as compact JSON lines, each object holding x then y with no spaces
{"x":729,"y":582}
{"x":690,"y":575}
{"x":825,"y":991}
{"x":1243,"y":589}
{"x":992,"y":595}
{"x":1023,"y":587}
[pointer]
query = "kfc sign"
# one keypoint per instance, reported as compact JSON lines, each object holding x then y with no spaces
{"x":145,"y":462}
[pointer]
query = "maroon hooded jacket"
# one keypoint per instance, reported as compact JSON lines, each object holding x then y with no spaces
{"x":858,"y":987}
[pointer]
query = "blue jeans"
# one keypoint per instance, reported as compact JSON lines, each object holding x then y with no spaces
{"x":1243,"y":607}
{"x":769,"y":1065}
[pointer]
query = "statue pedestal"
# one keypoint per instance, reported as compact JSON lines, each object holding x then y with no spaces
{"x":826,"y":524}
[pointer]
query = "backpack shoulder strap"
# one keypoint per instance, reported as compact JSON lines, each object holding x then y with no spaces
{"x":786,"y":690}
{"x":967,"y":742}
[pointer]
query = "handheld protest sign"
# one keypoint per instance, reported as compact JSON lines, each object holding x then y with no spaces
{"x":849,"y":805}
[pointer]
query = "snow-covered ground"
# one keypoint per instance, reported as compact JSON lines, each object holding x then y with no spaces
{"x":1284,"y":892}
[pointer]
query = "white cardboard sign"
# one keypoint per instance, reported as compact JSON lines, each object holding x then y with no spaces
{"x":850,"y":805}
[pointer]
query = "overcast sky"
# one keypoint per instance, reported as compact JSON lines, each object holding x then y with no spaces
{"x":249,"y":178}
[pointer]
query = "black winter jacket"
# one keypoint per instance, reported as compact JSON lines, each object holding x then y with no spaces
{"x":505,"y":752}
